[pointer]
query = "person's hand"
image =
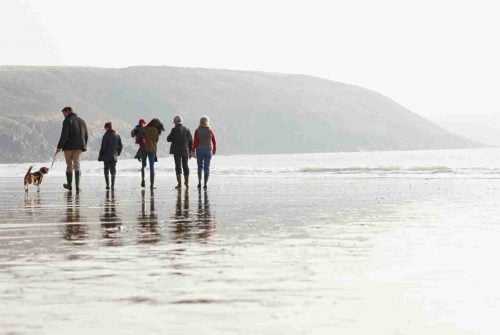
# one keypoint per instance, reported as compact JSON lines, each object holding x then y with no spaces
{"x":213,"y":152}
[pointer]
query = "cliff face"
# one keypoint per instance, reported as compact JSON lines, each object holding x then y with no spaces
{"x":251,"y":112}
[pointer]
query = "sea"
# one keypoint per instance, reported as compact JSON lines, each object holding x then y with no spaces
{"x":397,"y":242}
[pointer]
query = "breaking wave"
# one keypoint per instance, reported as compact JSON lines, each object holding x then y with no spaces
{"x":380,"y":170}
{"x":339,"y":171}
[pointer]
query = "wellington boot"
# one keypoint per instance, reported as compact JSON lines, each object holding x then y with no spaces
{"x":106,"y":178}
{"x":186,"y":180}
{"x":69,"y":181}
{"x":77,"y":180}
{"x":179,"y":184}
{"x":113,"y":182}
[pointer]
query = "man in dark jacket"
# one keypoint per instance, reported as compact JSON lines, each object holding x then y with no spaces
{"x":182,"y":141}
{"x":111,"y":148}
{"x":73,"y":142}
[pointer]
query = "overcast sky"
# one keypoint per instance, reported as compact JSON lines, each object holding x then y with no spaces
{"x":436,"y":57}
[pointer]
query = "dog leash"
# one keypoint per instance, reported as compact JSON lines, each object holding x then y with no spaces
{"x":53,"y":160}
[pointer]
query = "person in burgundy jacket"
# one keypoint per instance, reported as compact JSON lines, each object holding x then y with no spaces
{"x":204,"y":145}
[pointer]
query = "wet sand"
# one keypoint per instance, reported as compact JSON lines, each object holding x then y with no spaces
{"x":255,"y":255}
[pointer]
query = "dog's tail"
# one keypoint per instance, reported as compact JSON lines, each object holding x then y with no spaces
{"x":29,"y":170}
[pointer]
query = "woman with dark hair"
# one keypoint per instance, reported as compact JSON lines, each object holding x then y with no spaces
{"x":152,"y":133}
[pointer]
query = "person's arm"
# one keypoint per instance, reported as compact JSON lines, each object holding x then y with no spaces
{"x":64,"y":135}
{"x":214,"y":143}
{"x":101,"y":151}
{"x":195,"y":141}
{"x":86,"y":133}
{"x":189,"y":139}
{"x":119,"y":147}
{"x":170,"y":136}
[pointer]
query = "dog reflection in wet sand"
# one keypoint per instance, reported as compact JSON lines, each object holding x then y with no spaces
{"x":148,"y":230}
{"x":74,"y":231}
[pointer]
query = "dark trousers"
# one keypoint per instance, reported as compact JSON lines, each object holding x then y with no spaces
{"x":181,"y":159}
{"x":110,"y":166}
{"x":148,"y":156}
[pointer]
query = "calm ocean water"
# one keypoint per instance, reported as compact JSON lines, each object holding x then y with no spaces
{"x":353,"y":243}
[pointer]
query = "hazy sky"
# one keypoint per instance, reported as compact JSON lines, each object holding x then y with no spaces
{"x":436,"y":57}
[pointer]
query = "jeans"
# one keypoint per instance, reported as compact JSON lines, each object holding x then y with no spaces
{"x":203,"y":157}
{"x":148,"y":156}
{"x":185,"y":167}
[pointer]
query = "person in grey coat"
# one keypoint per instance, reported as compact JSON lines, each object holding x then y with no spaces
{"x":182,"y":141}
{"x":111,"y":148}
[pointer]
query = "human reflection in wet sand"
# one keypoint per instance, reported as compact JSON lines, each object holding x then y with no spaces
{"x":205,"y":220}
{"x":181,"y":218}
{"x":185,"y":227}
{"x":148,"y":223}
{"x":74,"y":231}
{"x":110,"y":222}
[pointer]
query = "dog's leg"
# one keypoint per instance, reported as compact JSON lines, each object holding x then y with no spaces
{"x":38,"y":188}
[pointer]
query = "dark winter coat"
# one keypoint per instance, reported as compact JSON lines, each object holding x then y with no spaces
{"x":111,"y":147}
{"x":74,"y":134}
{"x":181,"y":139}
{"x":138,"y":133}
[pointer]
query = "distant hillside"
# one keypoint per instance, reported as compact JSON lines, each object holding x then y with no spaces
{"x":251,"y":112}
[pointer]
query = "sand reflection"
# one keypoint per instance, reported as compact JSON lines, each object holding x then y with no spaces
{"x":32,"y":204}
{"x":74,"y":231}
{"x":188,"y":225}
{"x":148,"y":221}
{"x":110,"y":221}
{"x":205,"y":220}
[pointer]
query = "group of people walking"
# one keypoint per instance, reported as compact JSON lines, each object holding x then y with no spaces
{"x":74,"y":138}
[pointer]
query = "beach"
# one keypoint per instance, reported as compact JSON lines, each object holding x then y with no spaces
{"x":352,"y":243}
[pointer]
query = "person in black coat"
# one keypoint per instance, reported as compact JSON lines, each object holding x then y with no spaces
{"x":182,"y":141}
{"x":73,"y":142}
{"x":111,"y":148}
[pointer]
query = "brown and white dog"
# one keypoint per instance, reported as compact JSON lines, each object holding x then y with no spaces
{"x":34,"y":178}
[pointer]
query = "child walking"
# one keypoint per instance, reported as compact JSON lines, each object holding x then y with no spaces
{"x":138,"y":133}
{"x":111,"y":148}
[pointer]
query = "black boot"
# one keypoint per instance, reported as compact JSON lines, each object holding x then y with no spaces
{"x":186,"y":180}
{"x":152,"y":179}
{"x":113,"y":181}
{"x":69,"y":181}
{"x":199,"y":180}
{"x":77,"y":181}
{"x":179,"y":185}
{"x":205,"y":182}
{"x":143,"y":183}
{"x":106,"y":178}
